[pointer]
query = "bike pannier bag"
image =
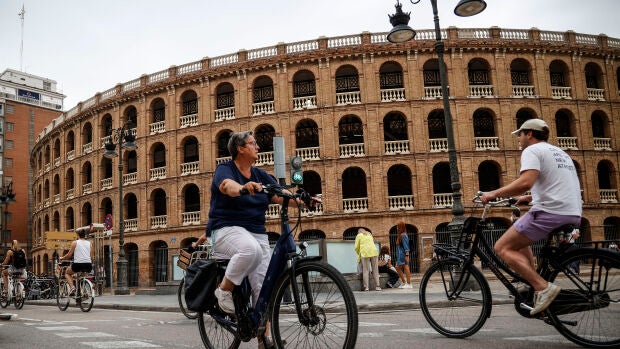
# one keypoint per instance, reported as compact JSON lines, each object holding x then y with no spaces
{"x":19,"y":259}
{"x":200,"y":284}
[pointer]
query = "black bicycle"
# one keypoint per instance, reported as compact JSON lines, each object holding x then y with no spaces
{"x":306,"y":302}
{"x":456,"y":299}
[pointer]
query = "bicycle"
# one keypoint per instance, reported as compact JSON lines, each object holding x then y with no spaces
{"x":185,"y":259}
{"x":307,"y":302}
{"x":16,"y":292}
{"x":587,"y":310}
{"x":84,"y":295}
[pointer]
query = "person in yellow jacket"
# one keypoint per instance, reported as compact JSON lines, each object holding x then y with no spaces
{"x":367,"y":253}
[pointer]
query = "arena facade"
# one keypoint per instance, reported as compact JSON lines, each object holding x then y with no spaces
{"x":365,"y":115}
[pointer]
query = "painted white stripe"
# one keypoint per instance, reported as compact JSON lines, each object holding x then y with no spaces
{"x":371,"y":334}
{"x":43,"y":323}
{"x":428,"y":330}
{"x":120,"y":344}
{"x":368,"y":324}
{"x":554,"y":338}
{"x":85,"y":334}
{"x":62,"y":328}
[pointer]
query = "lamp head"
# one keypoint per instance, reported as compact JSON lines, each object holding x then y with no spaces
{"x":467,"y":8}
{"x":401,"y":31}
{"x":110,"y":150}
{"x":130,"y":142}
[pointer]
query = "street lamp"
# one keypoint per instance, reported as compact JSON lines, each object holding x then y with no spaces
{"x":401,"y":33}
{"x":120,"y":134}
{"x":6,"y":197}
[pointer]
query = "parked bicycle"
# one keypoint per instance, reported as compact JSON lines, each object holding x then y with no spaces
{"x":187,"y":258}
{"x":16,"y":292}
{"x":587,"y":310}
{"x":306,"y":302}
{"x":84,"y":295}
{"x":40,"y":286}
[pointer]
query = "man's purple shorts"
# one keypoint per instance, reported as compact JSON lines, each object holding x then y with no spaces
{"x":536,"y":224}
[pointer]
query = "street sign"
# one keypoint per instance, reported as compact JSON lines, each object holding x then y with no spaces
{"x":60,"y":235}
{"x":108,"y":223}
{"x":57,"y":245}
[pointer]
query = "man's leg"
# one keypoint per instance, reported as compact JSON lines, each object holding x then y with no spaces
{"x":69,"y":277}
{"x":510,"y":248}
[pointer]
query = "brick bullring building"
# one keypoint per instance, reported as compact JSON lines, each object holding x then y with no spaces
{"x":365,"y":115}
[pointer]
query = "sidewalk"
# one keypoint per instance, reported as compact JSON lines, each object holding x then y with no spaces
{"x":387,"y":299}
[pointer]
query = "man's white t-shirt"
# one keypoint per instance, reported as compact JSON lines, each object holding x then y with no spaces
{"x":81,"y":254}
{"x":557,"y":188}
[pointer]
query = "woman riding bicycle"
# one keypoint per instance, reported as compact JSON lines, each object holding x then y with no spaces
{"x":550,"y":174}
{"x":82,"y":254}
{"x":237,"y":222}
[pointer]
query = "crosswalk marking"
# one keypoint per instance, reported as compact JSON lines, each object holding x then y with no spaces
{"x":61,"y":328}
{"x":84,"y":334}
{"x":120,"y":344}
{"x":555,"y":338}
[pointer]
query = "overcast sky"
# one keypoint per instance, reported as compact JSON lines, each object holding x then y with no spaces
{"x":90,"y":46}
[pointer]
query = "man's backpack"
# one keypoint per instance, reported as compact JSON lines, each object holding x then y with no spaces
{"x":19,"y":259}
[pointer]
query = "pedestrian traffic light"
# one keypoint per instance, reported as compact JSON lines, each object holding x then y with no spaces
{"x":297,"y":173}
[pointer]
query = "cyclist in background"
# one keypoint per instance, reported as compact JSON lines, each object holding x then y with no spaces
{"x":83,"y":256}
{"x":550,"y":174}
{"x":16,"y":256}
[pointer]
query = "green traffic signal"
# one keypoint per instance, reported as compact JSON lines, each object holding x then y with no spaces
{"x":297,"y":173}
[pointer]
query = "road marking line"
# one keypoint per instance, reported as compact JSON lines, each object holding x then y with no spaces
{"x":371,"y":334}
{"x":85,"y":334}
{"x":428,"y":330}
{"x":62,"y":328}
{"x":120,"y":344}
{"x":552,"y":338}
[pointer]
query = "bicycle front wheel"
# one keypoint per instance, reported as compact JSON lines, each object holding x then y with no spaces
{"x":327,"y":305}
{"x":587,"y":310}
{"x":87,"y":298}
{"x":19,"y":296}
{"x":455,"y":301}
{"x":214,"y":335}
{"x":181,"y":298}
{"x":62,"y":296}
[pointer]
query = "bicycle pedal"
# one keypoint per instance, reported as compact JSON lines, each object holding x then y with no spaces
{"x":525,"y":306}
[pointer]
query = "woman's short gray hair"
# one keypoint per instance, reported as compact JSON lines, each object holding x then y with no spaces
{"x":237,"y":140}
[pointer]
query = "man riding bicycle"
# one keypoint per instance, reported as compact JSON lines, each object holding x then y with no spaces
{"x":83,"y":256}
{"x":550,"y":174}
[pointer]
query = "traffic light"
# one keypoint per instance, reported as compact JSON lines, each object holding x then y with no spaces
{"x":297,"y":173}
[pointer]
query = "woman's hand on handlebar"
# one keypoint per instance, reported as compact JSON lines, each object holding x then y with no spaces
{"x":251,"y":188}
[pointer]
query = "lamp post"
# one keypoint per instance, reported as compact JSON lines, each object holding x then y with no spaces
{"x":401,"y":33}
{"x":6,"y":197}
{"x":120,"y":134}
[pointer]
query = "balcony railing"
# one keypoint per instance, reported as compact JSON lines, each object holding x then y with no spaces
{"x":306,"y":102}
{"x":190,"y":168}
{"x":71,"y":155}
{"x":70,"y":194}
{"x":318,"y":210}
{"x":307,"y":154}
{"x":265,"y":158}
{"x":560,"y":92}
{"x":130,"y":224}
{"x":263,"y":108}
{"x":477,"y":91}
{"x":351,"y":150}
{"x":159,"y":222}
{"x":567,"y":143}
{"x":397,"y":147}
{"x":355,"y":205}
{"x":393,"y":95}
{"x":344,"y":98}
{"x":158,"y":173}
{"x":443,"y":200}
{"x":87,"y":148}
{"x":130,"y":178}
{"x":596,"y":94}
{"x":487,"y":143}
{"x":432,"y":92}
{"x":87,"y":188}
{"x":438,"y":144}
{"x":220,"y":160}
{"x":105,"y":140}
{"x":106,"y":183}
{"x":608,"y":195}
{"x":157,"y":127}
{"x":46,"y":203}
{"x":56,"y":198}
{"x":401,"y":202}
{"x":225,"y":114}
{"x":191,"y":218}
{"x":189,"y":120}
{"x":273,"y":211}
{"x":48,"y":167}
{"x":57,"y":162}
{"x":602,"y":143}
{"x":523,"y":91}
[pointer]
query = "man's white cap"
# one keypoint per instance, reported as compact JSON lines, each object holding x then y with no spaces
{"x":532,"y":124}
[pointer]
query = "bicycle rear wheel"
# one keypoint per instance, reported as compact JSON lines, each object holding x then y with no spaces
{"x":456,"y":302}
{"x":87,"y":298}
{"x":62,"y":297}
{"x":181,"y":298}
{"x":587,"y":310}
{"x":19,"y":295}
{"x":326,"y":301}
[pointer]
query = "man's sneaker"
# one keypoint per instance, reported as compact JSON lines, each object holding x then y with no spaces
{"x":407,"y":286}
{"x":225,"y":300}
{"x":543,"y":298}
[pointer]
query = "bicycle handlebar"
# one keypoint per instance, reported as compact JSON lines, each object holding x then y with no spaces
{"x":277,"y":189}
{"x":501,"y":202}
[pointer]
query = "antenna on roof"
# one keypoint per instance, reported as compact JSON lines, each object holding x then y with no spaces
{"x":21,"y":48}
